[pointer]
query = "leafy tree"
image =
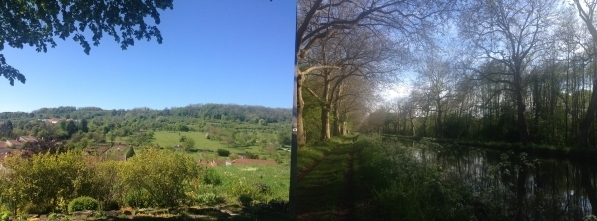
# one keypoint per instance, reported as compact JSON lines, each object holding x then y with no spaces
{"x":189,"y":144}
{"x":97,"y":137}
{"x":84,"y":127}
{"x":6,"y":129}
{"x":223,"y":153}
{"x":36,"y":23}
{"x":130,"y":153}
{"x":62,"y":125}
{"x":284,"y":137}
{"x":319,"y":20}
{"x":500,"y":32}
{"x":183,"y":128}
{"x":588,"y":19}
{"x":112,"y":137}
{"x":71,"y":128}
{"x":140,"y":139}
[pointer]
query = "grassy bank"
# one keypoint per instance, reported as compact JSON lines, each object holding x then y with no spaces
{"x":395,"y":186}
{"x":370,"y":181}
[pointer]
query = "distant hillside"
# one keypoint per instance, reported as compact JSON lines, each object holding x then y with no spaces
{"x":231,"y":112}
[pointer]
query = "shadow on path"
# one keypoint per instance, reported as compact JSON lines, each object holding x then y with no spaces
{"x":325,"y":193}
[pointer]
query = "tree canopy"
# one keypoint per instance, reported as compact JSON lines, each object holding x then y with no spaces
{"x":36,"y":23}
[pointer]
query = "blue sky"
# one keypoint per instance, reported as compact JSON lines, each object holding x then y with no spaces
{"x":224,"y":51}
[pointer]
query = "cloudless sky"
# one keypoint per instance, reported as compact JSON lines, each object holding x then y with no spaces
{"x":223,"y":51}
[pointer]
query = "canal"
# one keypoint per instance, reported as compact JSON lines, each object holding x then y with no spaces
{"x":523,"y":186}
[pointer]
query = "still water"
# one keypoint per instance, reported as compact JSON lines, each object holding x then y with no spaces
{"x":523,"y":186}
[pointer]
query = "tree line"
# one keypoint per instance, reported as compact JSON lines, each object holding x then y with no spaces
{"x":346,"y":50}
{"x":507,"y":70}
{"x":233,"y":125}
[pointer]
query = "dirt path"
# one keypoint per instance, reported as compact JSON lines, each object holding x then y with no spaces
{"x":346,"y":203}
{"x":326,"y":191}
{"x":303,"y":173}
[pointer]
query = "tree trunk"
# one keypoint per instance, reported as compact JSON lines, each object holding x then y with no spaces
{"x":412,"y":126}
{"x":336,"y":130}
{"x":325,"y":107}
{"x":587,"y":17}
{"x":325,"y":122}
{"x":523,"y":127}
{"x":589,"y":118}
{"x":336,"y":125}
{"x":300,"y":133}
{"x":438,"y":120}
{"x":424,"y":125}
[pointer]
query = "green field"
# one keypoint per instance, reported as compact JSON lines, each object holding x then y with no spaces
{"x":262,"y":183}
{"x":170,"y":138}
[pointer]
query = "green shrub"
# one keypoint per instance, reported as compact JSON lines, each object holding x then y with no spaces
{"x":53,"y":216}
{"x":33,"y":186}
{"x":4,"y":216}
{"x":233,"y":156}
{"x":138,"y":199}
{"x":130,"y":153}
{"x":223,"y":153}
{"x":250,"y":155}
{"x":163,"y":174}
{"x":83,"y":203}
{"x":107,"y":184}
{"x":212,"y":177}
{"x":246,"y":188}
{"x":419,"y":187}
{"x":206,"y":198}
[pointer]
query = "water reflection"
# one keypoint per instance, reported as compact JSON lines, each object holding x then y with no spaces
{"x":520,"y":186}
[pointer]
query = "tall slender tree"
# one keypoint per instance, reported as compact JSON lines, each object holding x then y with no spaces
{"x":509,"y":32}
{"x":586,"y":11}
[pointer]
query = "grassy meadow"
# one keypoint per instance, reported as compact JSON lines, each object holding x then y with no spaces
{"x":204,"y":146}
{"x":262,"y":184}
{"x":206,"y":149}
